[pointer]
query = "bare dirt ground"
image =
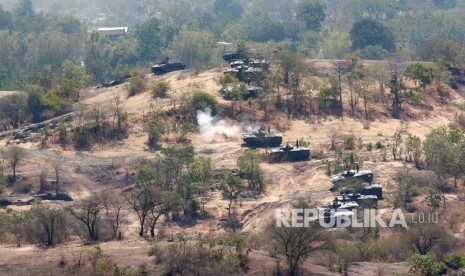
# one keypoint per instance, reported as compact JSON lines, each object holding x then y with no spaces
{"x":106,"y":167}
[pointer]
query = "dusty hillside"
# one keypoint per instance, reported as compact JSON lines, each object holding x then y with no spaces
{"x":108,"y":167}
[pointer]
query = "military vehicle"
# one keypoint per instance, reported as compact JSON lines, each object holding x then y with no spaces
{"x":364,"y":176}
{"x":229,"y":57}
{"x":165,"y":67}
{"x":289,"y":153}
{"x":258,"y":63}
{"x":370,"y":201}
{"x":262,"y":138}
{"x":251,"y":92}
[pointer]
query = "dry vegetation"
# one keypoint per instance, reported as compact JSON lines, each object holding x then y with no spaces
{"x":113,"y":164}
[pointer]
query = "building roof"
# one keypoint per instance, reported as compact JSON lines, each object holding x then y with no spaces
{"x":115,"y":31}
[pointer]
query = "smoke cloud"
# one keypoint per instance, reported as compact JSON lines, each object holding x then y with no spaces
{"x":211,"y":126}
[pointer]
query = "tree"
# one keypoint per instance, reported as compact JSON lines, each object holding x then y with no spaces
{"x":18,"y":222}
{"x":397,"y":142}
{"x":14,"y":108}
{"x":116,"y":204}
{"x":366,"y":32}
{"x":424,"y":237}
{"x":420,"y":75}
{"x":231,"y":189}
{"x":312,"y":13}
{"x":163,"y":203}
{"x":14,"y":155}
{"x":249,"y":168}
{"x":228,"y":8}
{"x":73,"y":78}
{"x":87,"y":212}
{"x":148,"y":39}
{"x":405,"y":190}
{"x":194,"y":48}
{"x":25,"y":9}
{"x":141,"y":201}
{"x":296,"y":243}
{"x":57,"y":164}
{"x":51,"y":221}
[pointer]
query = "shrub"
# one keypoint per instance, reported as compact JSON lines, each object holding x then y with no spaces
{"x":379,"y":145}
{"x":81,"y":138}
{"x":160,"y":89}
{"x":369,"y":146}
{"x":201,"y":101}
{"x":425,"y":265}
{"x":136,"y":86}
{"x":349,"y":142}
{"x":455,"y":261}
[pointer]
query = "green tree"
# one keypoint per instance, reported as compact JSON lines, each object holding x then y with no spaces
{"x":231,"y":188}
{"x":249,"y":168}
{"x":312,"y":13}
{"x":194,"y":48}
{"x":148,"y":39}
{"x":366,"y":32}
{"x":73,"y":79}
{"x":420,"y":75}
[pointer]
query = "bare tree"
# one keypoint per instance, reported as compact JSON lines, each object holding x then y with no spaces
{"x":50,"y":221}
{"x":164,"y":202}
{"x":141,"y":201}
{"x":334,"y":135}
{"x":296,"y":243}
{"x":423,"y":237}
{"x":88,"y":212}
{"x":57,"y":164}
{"x":14,"y":155}
{"x":116,"y":206}
{"x":43,"y":178}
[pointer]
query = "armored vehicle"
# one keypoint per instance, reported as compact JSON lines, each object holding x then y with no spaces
{"x":229,"y":57}
{"x":347,"y":176}
{"x":165,"y":67}
{"x":289,"y":153}
{"x":258,"y":63}
{"x":262,"y":138}
{"x":362,"y":200}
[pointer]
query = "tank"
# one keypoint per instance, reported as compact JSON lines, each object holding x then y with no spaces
{"x":348,"y":176}
{"x":262,"y":138}
{"x":289,"y":153}
{"x":165,"y":67}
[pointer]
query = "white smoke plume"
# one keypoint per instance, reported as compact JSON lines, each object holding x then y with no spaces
{"x":210,"y":126}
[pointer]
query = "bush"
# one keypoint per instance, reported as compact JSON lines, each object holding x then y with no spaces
{"x":136,"y":86}
{"x":160,"y":89}
{"x":455,"y":261}
{"x":201,"y":101}
{"x":369,"y":146}
{"x":379,"y":145}
{"x":425,"y":265}
{"x":81,"y":139}
{"x":349,"y":142}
